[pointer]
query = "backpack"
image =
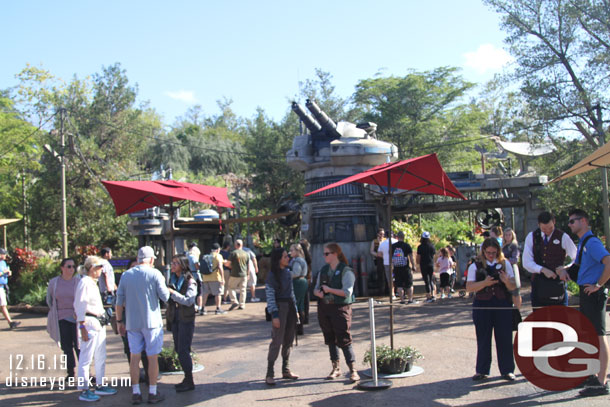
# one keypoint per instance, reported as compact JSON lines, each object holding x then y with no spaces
{"x":205,"y":264}
{"x":398,"y":258}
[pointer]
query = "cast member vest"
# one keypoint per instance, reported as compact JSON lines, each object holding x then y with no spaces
{"x":497,"y":290}
{"x":334,"y":280}
{"x":552,"y":254}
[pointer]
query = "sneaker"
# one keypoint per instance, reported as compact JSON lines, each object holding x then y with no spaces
{"x":509,"y":376}
{"x":449,"y":296}
{"x":591,"y":391}
{"x":402,"y":302}
{"x":155,"y":398}
{"x":233,"y":306}
{"x":88,"y":395}
{"x":202,"y":311}
{"x":104,"y":391}
{"x":255,"y":299}
{"x":431,"y":299}
{"x":479,"y":376}
{"x":225,"y":302}
{"x":413,"y":302}
{"x":443,"y":296}
{"x":14,"y":324}
{"x":452,"y":291}
{"x":589,"y":381}
{"x":241,"y":307}
{"x":136,"y":399}
{"x":220,"y":311}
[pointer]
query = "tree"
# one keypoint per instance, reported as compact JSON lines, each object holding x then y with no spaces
{"x":19,"y":161}
{"x":562,"y":48}
{"x":108,"y":131}
{"x":422,"y":112}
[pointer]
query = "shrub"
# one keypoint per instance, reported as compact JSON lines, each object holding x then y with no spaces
{"x":30,"y":285}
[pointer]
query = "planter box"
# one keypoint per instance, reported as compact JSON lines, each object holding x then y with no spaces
{"x":395,"y":366}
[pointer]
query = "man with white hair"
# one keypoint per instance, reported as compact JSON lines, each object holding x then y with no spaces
{"x":140,"y":290}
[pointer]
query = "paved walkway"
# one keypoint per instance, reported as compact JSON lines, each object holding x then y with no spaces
{"x":233,"y":349}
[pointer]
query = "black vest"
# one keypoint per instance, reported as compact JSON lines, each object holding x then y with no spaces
{"x":550,"y":255}
{"x":497,"y":290}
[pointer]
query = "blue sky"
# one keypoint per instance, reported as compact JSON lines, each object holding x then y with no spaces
{"x":183,"y":53}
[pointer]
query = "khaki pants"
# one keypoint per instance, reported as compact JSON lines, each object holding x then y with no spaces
{"x":238,"y":284}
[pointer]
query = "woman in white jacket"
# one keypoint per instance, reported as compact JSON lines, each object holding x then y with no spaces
{"x":89,"y":308}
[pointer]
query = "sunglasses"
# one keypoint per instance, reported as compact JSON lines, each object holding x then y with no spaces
{"x":327,"y":253}
{"x":571,"y":221}
{"x":69,"y":266}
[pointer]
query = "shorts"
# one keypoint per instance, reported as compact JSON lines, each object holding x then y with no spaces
{"x":149,"y":339}
{"x":252,"y":278}
{"x":594,"y":308}
{"x":403,"y":277}
{"x":3,"y":301}
{"x":445,"y":280}
{"x":214,"y":288}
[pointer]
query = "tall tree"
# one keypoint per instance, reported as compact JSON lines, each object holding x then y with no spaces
{"x":560,"y":46}
{"x":422,"y":112}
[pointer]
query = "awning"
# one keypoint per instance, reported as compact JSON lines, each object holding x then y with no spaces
{"x":134,"y":196}
{"x":7,"y":221}
{"x":600,"y":158}
{"x":422,"y":174}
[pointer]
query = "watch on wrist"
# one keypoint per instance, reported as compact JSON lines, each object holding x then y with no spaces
{"x":598,"y":285}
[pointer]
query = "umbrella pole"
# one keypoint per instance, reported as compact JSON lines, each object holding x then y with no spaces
{"x":172,"y":245}
{"x":390,"y":279}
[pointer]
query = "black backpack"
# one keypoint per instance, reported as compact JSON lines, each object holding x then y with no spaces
{"x":205,"y":264}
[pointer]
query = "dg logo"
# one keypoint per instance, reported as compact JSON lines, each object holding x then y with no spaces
{"x":556,"y":348}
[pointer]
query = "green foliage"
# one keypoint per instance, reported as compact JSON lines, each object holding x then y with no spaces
{"x":31,"y":286}
{"x":422,"y":112}
{"x":169,"y":362}
{"x":385,"y":354}
{"x":573,"y":288}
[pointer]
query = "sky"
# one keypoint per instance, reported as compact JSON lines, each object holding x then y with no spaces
{"x":255,"y":53}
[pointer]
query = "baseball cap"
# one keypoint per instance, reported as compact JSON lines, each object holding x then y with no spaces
{"x":146,"y":252}
{"x":215,"y":246}
{"x":3,"y":251}
{"x":425,"y":235}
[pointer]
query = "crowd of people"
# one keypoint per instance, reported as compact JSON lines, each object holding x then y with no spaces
{"x":80,"y":303}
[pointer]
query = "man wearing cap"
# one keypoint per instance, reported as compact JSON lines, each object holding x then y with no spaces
{"x":140,"y":290}
{"x":5,"y":273}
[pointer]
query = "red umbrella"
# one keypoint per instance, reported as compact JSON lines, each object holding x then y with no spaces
{"x":422,"y":174}
{"x":133,"y":196}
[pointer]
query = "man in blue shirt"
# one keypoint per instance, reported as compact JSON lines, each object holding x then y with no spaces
{"x":140,"y":290}
{"x":5,"y":273}
{"x":593,"y":274}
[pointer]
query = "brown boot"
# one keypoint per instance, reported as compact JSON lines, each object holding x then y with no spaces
{"x":269,"y":376}
{"x":286,"y":373}
{"x":353,"y":374}
{"x":336,"y":372}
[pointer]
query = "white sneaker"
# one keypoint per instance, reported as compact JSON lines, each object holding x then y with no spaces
{"x":442,"y":296}
{"x":449,"y":296}
{"x":255,"y":299}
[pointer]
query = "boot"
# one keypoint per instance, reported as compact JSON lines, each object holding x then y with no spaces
{"x":286,"y":373}
{"x":336,"y":372}
{"x":269,"y":377}
{"x":187,"y":384}
{"x":353,"y":374}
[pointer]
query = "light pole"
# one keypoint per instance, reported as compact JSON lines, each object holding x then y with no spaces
{"x":64,"y":224}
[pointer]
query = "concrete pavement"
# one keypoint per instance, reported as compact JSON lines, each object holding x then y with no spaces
{"x":233,"y":349}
